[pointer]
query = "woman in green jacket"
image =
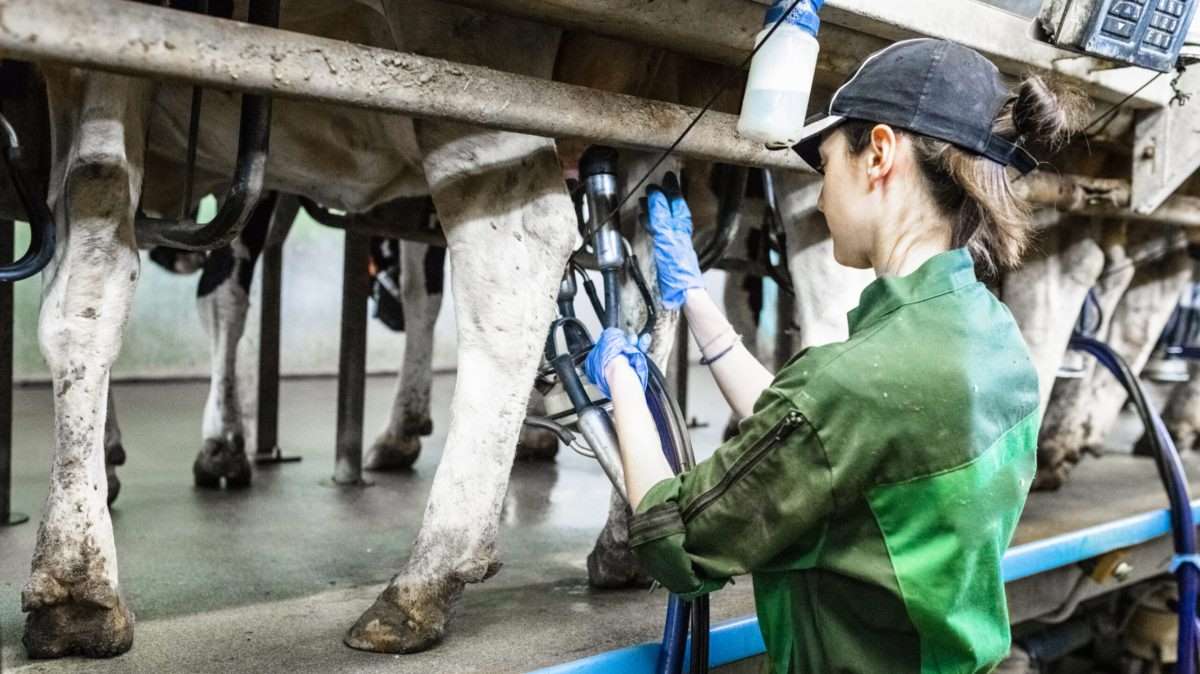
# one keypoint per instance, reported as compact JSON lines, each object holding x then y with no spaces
{"x":874,"y":484}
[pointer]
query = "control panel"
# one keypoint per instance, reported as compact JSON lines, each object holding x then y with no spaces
{"x":1147,"y":33}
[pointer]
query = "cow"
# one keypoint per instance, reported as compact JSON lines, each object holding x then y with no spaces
{"x":509,"y":225}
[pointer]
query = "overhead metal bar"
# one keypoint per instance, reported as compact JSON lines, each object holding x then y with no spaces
{"x":724,"y":31}
{"x":149,"y":41}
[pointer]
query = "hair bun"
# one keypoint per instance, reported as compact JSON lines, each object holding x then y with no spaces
{"x":1045,"y":115}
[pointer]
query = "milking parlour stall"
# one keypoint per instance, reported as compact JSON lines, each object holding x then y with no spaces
{"x":384,"y":254}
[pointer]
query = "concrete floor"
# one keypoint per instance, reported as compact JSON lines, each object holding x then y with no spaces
{"x":268,"y":579}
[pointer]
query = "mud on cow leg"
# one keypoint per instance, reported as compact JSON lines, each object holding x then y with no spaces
{"x":422,"y":270}
{"x":223,"y":297}
{"x":73,"y":596}
{"x":510,"y":226}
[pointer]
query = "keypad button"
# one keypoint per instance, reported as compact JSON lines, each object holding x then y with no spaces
{"x":1157,"y":39}
{"x":1126,"y":10}
{"x":1172,"y":7}
{"x":1164,"y":22}
{"x":1117,"y":27}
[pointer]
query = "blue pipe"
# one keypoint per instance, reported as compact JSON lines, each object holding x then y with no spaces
{"x":674,"y":643}
{"x":679,"y":456}
{"x":1170,"y":469}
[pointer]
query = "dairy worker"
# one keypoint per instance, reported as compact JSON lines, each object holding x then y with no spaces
{"x":874,"y":484}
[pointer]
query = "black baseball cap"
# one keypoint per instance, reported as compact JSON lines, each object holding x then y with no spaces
{"x":930,"y":87}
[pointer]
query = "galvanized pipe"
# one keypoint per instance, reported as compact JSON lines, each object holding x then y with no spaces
{"x":724,"y":31}
{"x":1103,"y":197}
{"x":352,"y":360}
{"x":149,"y":41}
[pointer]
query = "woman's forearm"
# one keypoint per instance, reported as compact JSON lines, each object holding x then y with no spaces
{"x":641,"y":448}
{"x":740,"y":376}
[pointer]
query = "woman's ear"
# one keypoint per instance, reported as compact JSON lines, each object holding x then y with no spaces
{"x":883,"y":151}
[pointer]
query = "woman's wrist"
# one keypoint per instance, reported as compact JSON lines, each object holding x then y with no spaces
{"x":616,"y":368}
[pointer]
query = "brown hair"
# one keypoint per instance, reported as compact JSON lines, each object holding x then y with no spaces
{"x":974,"y":191}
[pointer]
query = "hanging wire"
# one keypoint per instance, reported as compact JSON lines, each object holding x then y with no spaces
{"x":1109,"y":115}
{"x":736,"y":74}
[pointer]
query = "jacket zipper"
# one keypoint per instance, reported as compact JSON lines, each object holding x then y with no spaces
{"x":777,"y":434}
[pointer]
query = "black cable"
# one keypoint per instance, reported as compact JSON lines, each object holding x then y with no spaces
{"x":691,"y":125}
{"x":1110,"y":114}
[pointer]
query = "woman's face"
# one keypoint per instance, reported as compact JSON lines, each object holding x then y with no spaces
{"x":847,"y":202}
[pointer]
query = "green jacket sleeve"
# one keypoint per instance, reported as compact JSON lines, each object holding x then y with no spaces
{"x":764,"y":492}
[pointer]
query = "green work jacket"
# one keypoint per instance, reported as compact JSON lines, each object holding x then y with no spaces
{"x":873,"y":492}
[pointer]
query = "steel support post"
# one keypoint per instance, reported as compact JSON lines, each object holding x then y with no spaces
{"x":267,"y":451}
{"x":7,"y":516}
{"x":352,"y":360}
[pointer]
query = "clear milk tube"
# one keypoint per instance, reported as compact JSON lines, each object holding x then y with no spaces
{"x":781,"y":75}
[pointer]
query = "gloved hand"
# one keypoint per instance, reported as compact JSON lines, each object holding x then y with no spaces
{"x":669,"y":222}
{"x":614,"y":343}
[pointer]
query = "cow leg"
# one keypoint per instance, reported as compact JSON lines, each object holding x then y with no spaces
{"x":422,"y":270}
{"x":114,"y":451}
{"x":510,"y":226}
{"x":1061,"y":441}
{"x":1137,"y":325}
{"x":1182,"y":414}
{"x":1079,"y":422}
{"x":223,"y":298}
{"x":73,"y":596}
{"x":1046,"y":292}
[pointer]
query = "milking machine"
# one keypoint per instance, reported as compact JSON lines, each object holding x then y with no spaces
{"x":576,"y":410}
{"x":1186,"y":563}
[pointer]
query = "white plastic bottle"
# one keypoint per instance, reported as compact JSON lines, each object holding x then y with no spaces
{"x":781,"y":75}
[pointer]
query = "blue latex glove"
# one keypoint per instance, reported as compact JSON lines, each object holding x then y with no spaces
{"x":669,"y":222}
{"x":614,"y":343}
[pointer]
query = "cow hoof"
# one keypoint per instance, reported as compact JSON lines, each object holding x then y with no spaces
{"x":536,"y":444}
{"x":79,"y":627}
{"x":387,"y":627}
{"x":613,"y":566}
{"x":222,"y":459}
{"x":114,"y":483}
{"x":417,"y":426}
{"x":393,"y":453}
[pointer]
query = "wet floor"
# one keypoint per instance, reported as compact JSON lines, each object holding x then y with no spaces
{"x":268,"y":578}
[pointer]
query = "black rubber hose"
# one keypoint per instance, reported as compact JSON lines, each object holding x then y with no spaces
{"x":1170,"y":470}
{"x":41,"y":221}
{"x":612,"y":298}
{"x":677,"y":445}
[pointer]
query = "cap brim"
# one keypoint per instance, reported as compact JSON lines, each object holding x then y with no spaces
{"x":809,"y":147}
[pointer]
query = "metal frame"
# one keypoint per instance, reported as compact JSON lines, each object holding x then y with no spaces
{"x":352,"y":360}
{"x":741,"y":638}
{"x":7,"y":516}
{"x":246,"y":187}
{"x":166,"y":44}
